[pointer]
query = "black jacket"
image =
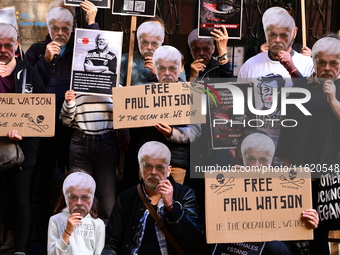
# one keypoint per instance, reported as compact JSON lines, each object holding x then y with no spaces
{"x":56,"y":74}
{"x":34,"y":84}
{"x":213,"y":70}
{"x":182,"y":221}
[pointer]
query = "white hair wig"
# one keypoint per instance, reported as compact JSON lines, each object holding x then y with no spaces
{"x":8,"y":31}
{"x":327,"y":46}
{"x":61,"y":3}
{"x":150,"y":28}
{"x":193,"y":36}
{"x":154,"y":150}
{"x":59,"y":14}
{"x":258,"y":142}
{"x":79,"y":180}
{"x":167,"y":53}
{"x":277,"y":17}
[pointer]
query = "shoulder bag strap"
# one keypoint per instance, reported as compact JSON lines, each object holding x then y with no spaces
{"x":159,"y":223}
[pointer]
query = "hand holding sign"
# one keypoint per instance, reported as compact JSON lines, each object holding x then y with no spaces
{"x":312,"y":217}
{"x":164,"y":128}
{"x":13,"y":135}
{"x":91,"y":11}
{"x":70,"y":96}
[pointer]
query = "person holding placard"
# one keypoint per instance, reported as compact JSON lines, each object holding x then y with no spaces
{"x":53,"y":60}
{"x":146,"y":216}
{"x":202,"y":50}
{"x":257,"y":149}
{"x":94,"y":143}
{"x":18,"y":77}
{"x":315,"y":142}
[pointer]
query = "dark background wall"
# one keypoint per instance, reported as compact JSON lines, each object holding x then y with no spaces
{"x":181,"y":16}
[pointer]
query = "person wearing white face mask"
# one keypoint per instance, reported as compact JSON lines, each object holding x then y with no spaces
{"x":315,"y":141}
{"x":77,"y":228}
{"x":132,"y":228}
{"x":18,"y":76}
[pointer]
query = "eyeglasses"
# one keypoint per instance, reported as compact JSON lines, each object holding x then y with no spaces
{"x":63,"y":29}
{"x":282,"y":36}
{"x":7,"y":46}
{"x":332,"y":63}
{"x":163,"y":68}
{"x":74,"y":198}
{"x":159,"y":168}
{"x":205,"y":49}
{"x":262,"y":160}
{"x":153,"y":44}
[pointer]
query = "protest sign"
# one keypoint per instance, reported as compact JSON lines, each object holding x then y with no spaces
{"x":146,"y":8}
{"x":212,"y":15}
{"x":30,"y":114}
{"x":96,"y":61}
{"x":98,"y":3}
{"x":226,"y":127}
{"x":245,"y":206}
{"x":146,"y":105}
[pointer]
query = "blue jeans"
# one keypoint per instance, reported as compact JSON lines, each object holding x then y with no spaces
{"x":97,"y":154}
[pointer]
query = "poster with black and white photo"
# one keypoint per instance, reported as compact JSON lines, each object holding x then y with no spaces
{"x":146,"y":8}
{"x":227,"y":127}
{"x":214,"y":14}
{"x":96,"y":61}
{"x":7,"y":15}
{"x":98,"y":3}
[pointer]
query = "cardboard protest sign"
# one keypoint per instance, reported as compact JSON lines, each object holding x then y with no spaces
{"x":213,"y":15}
{"x":96,"y":61}
{"x":146,"y":105}
{"x":146,"y":8}
{"x":98,"y":3}
{"x":238,"y":248}
{"x":226,"y":127}
{"x":30,"y":114}
{"x":245,"y":206}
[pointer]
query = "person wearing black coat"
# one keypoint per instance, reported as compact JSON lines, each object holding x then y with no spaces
{"x":18,"y":76}
{"x":132,"y":230}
